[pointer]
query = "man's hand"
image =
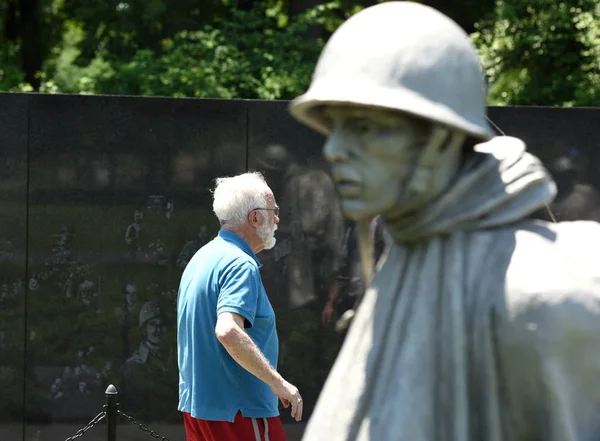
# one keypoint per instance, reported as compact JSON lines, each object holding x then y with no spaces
{"x":289,"y":394}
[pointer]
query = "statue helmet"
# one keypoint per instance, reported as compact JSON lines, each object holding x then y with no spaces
{"x":149,"y":311}
{"x":401,"y":56}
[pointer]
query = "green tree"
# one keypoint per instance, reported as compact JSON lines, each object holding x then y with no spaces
{"x":542,"y":52}
{"x":29,"y":30}
{"x":254,"y":53}
{"x":121,"y":28}
{"x":247,"y":56}
{"x":10,"y":71}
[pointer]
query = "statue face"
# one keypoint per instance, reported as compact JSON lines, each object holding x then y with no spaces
{"x":371,"y":152}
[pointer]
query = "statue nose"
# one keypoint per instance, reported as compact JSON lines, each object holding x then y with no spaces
{"x":335,"y":149}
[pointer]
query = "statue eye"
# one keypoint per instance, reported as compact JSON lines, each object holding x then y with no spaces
{"x":365,"y":127}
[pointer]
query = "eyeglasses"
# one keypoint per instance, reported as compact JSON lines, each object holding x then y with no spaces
{"x":274,"y":210}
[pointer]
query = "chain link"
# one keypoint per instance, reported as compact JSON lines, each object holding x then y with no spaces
{"x":143,"y":428}
{"x":91,"y":424}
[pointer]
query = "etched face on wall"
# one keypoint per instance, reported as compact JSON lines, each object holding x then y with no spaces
{"x":372,"y":152}
{"x":154,"y":330}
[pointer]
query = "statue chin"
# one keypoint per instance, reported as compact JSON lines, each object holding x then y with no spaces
{"x":357,"y":209}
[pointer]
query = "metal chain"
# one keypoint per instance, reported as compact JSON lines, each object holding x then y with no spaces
{"x":91,"y":424}
{"x":143,"y":428}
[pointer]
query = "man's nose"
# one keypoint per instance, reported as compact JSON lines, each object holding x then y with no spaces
{"x":276,"y":218}
{"x":336,"y":147}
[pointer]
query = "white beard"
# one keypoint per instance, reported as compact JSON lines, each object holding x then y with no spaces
{"x":267,"y":235}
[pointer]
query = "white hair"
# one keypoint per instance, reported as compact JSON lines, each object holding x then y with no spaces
{"x":235,"y":197}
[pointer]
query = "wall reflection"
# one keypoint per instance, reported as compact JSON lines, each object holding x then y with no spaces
{"x":13,"y":225}
{"x":118,"y":202}
{"x":565,"y":141}
{"x":113,"y":220}
{"x":311,"y":274}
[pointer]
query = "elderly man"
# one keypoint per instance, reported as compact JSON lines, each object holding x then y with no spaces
{"x":479,"y":323}
{"x":227,"y":340}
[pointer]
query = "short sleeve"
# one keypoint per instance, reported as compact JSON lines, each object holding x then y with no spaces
{"x":239,"y":290}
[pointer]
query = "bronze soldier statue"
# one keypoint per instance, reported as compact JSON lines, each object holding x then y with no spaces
{"x":480,"y":322}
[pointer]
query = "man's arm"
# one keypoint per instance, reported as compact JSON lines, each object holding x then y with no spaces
{"x":230,"y":332}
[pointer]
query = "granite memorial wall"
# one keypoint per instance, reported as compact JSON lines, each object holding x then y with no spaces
{"x":105,"y":199}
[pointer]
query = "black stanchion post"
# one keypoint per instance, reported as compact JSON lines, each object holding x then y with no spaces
{"x":111,"y":412}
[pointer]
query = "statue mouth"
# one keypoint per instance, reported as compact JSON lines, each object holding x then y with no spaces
{"x":348,"y":189}
{"x":347,"y":185}
{"x":342,"y":179}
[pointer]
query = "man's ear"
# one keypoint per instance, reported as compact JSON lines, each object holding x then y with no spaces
{"x":253,"y":218}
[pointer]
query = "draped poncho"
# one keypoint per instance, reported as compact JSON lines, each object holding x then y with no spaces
{"x":479,"y":324}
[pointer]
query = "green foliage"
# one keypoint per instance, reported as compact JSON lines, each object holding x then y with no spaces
{"x":62,"y":72}
{"x":122,"y":28}
{"x":11,"y":75}
{"x":249,"y":55}
{"x":542,"y":52}
{"x":259,"y":53}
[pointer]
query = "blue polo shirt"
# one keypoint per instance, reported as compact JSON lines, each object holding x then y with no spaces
{"x":223,"y":276}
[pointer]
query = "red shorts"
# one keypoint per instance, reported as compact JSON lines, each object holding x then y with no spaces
{"x":242,"y":429}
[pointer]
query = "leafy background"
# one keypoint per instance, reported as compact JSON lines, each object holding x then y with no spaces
{"x":539,"y":52}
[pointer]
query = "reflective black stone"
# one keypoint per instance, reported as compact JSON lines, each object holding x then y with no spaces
{"x":119,"y":201}
{"x":566,"y":141}
{"x":306,"y":266}
{"x":13,"y":228}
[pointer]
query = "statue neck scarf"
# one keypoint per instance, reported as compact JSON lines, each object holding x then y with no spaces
{"x":442,"y":346}
{"x":499,"y":184}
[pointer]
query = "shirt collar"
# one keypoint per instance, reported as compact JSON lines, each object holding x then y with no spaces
{"x":231,"y":237}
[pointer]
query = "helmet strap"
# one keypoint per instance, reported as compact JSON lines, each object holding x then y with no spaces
{"x":436,"y":160}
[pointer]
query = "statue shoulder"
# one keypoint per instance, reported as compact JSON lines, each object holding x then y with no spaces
{"x":552,"y":282}
{"x":538,"y":275}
